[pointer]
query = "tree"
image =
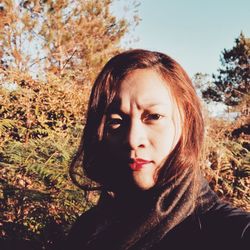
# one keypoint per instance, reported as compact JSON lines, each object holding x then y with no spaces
{"x":50,"y":51}
{"x":232,"y":83}
{"x":226,"y":148}
{"x":62,"y":37}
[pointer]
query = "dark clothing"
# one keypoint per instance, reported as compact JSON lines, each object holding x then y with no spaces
{"x":221,"y":227}
{"x":178,"y":215}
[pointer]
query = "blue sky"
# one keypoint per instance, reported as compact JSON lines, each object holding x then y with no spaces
{"x":194,"y":32}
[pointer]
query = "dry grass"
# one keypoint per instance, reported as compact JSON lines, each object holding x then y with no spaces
{"x":226,"y":160}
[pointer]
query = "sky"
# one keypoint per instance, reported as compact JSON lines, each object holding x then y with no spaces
{"x":193,"y":32}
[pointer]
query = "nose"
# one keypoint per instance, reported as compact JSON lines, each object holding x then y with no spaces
{"x":136,"y":136}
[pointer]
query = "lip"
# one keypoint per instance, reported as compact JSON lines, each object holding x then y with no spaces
{"x":137,"y":164}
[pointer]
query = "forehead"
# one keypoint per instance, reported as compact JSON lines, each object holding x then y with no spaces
{"x":145,"y":88}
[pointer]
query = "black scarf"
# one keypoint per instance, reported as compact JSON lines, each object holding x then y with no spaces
{"x":142,"y":222}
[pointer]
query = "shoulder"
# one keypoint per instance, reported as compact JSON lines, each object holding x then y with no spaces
{"x":81,"y":230}
{"x":87,"y":219}
{"x":88,"y":222}
{"x":223,"y":215}
{"x":227,"y":224}
{"x":221,"y":227}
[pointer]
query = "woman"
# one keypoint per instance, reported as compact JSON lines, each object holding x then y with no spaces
{"x":141,"y":143}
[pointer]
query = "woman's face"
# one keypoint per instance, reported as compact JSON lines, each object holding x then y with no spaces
{"x":143,"y":127}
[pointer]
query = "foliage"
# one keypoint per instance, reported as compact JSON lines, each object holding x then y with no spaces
{"x":231,"y":83}
{"x":226,"y":152}
{"x":63,"y":37}
{"x":38,"y":199}
{"x":227,"y":156}
{"x":34,"y":108}
{"x":50,"y":52}
{"x":40,"y":126}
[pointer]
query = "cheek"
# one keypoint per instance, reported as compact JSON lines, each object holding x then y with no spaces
{"x":114,"y":142}
{"x":165,"y":137}
{"x":114,"y":147}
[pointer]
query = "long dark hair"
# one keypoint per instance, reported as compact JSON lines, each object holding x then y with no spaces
{"x":106,"y":86}
{"x":179,"y":188}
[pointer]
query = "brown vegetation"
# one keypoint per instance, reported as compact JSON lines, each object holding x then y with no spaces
{"x":43,"y":96}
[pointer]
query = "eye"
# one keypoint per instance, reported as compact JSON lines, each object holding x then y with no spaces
{"x":153,"y":117}
{"x":114,"y":123}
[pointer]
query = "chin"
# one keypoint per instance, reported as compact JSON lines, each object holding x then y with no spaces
{"x":143,"y":182}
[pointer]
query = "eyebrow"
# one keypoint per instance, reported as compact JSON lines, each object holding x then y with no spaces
{"x":116,"y":108}
{"x":150,"y":105}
